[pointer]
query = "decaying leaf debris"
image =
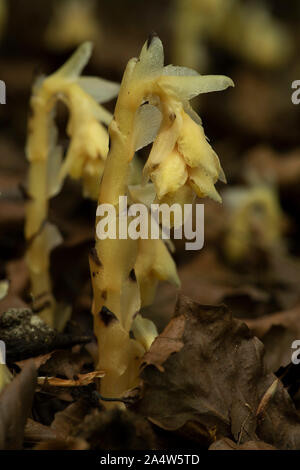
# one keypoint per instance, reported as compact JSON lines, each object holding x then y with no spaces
{"x":228,"y":390}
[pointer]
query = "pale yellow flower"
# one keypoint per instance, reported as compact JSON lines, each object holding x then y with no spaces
{"x":180,"y":155}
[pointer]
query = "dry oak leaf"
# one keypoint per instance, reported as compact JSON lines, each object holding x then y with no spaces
{"x":59,"y":436}
{"x":36,"y":432}
{"x":59,"y":444}
{"x":228,"y":444}
{"x":277,"y":332}
{"x":101,"y":429}
{"x":66,"y":363}
{"x":116,"y":429}
{"x":217,"y":378}
{"x":67,"y":421}
{"x":15,"y":406}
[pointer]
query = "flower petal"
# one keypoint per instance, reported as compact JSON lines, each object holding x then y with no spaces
{"x":101,"y":90}
{"x":170,"y":175}
{"x":144,"y":331}
{"x":154,"y":263}
{"x":192,"y":113}
{"x":187,"y":87}
{"x":90,"y":143}
{"x":147,"y":123}
{"x":203,"y":184}
{"x":54,"y":183}
{"x":151,"y":58}
{"x":164,"y":266}
{"x":142,"y":194}
{"x":102,"y":115}
{"x":74,"y":66}
{"x":184,"y":195}
{"x":163,"y":145}
{"x":195,"y":149}
{"x":173,"y":70}
{"x":91,"y":178}
{"x":53,"y":236}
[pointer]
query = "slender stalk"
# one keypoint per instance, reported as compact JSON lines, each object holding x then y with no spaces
{"x":38,"y":253}
{"x":84,"y":160}
{"x":112,"y":289}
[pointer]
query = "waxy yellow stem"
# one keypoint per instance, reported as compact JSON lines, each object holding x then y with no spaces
{"x":117,"y":257}
{"x":152,"y":106}
{"x":84,"y":159}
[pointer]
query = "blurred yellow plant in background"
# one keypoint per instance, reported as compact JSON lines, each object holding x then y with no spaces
{"x":84,"y":159}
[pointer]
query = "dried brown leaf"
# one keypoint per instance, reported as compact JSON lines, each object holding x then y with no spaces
{"x":66,"y":421}
{"x":60,"y":444}
{"x":66,"y":363}
{"x":228,"y":444}
{"x":15,"y":406}
{"x":36,"y":432}
{"x":277,"y":332}
{"x":218,"y":379}
{"x":116,"y":430}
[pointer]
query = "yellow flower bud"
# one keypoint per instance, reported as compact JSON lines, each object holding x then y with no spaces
{"x":153,"y":263}
{"x":170,"y":175}
{"x":196,"y":150}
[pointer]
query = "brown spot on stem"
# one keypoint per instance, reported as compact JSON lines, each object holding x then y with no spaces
{"x":41,"y":295}
{"x":155,"y":167}
{"x":39,"y":308}
{"x":41,"y":301}
{"x":172,"y":117}
{"x":107,"y":316}
{"x":104,"y":295}
{"x":132,"y":275}
{"x":94,"y":256}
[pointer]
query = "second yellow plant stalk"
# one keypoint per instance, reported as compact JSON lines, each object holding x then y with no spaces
{"x":84,"y":160}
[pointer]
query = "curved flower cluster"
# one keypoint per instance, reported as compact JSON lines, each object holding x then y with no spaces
{"x":180,"y":155}
{"x":84,"y":160}
{"x":191,"y":161}
{"x":88,"y":137}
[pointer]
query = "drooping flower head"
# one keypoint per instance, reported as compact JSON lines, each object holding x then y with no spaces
{"x":181,"y":157}
{"x":84,"y":158}
{"x":88,"y":137}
